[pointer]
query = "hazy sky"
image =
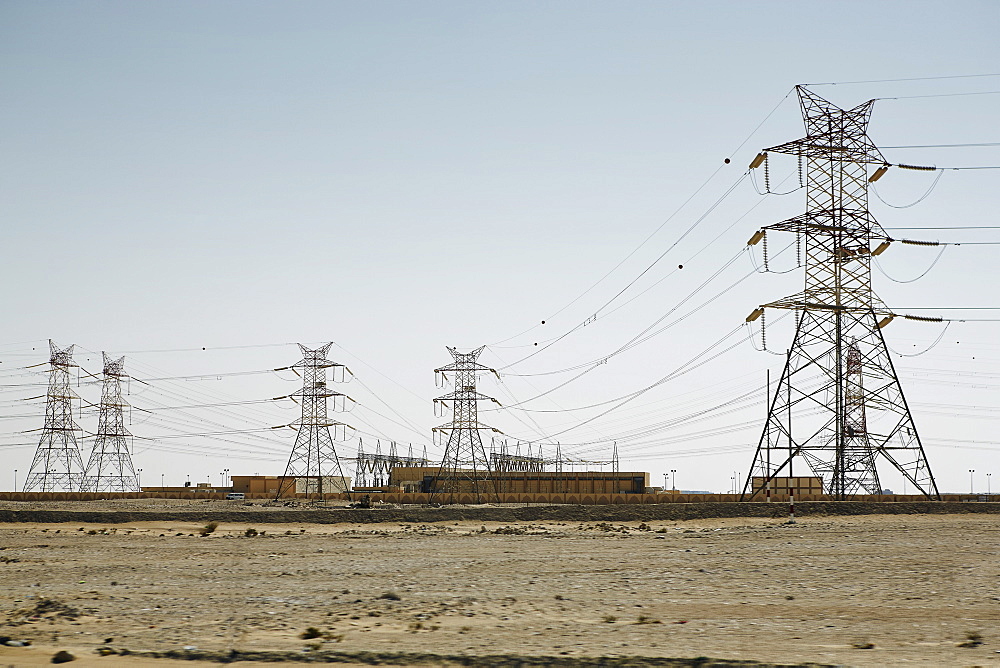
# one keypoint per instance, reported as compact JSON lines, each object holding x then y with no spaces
{"x":401,"y":176}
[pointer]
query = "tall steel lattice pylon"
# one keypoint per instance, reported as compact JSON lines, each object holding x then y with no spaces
{"x":110,"y":466}
{"x":57,"y":466}
{"x":314,"y":458}
{"x":821,"y":412}
{"x":464,"y":466}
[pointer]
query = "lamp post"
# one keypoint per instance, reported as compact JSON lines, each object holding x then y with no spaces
{"x":162,"y":484}
{"x":228,"y":482}
{"x":732,"y":484}
{"x":138,"y":478}
{"x":664,"y":481}
{"x":15,"y":480}
{"x":971,"y":471}
{"x":988,"y":476}
{"x":673,"y":479}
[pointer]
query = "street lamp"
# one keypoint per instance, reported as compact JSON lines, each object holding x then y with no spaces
{"x":664,"y":481}
{"x":162,"y":484}
{"x":673,"y":479}
{"x":15,"y":480}
{"x":971,"y":471}
{"x":138,"y":478}
{"x":227,"y":482}
{"x":988,"y":476}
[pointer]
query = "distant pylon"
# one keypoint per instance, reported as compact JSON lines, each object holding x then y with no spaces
{"x":314,"y":458}
{"x":57,"y":466}
{"x":821,"y":413}
{"x":110,"y":466}
{"x":464,"y":466}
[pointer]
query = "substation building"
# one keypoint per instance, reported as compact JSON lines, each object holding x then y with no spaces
{"x":270,"y":484}
{"x":429,"y":479}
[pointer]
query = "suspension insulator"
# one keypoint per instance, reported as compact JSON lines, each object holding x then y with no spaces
{"x":878,"y":173}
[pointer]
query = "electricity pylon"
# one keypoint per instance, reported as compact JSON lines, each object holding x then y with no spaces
{"x":57,"y":466}
{"x":110,"y":466}
{"x":821,"y":412}
{"x":314,"y":458}
{"x":464,"y":466}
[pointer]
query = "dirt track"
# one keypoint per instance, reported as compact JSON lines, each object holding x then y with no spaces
{"x":152,"y":510}
{"x":912,"y":587}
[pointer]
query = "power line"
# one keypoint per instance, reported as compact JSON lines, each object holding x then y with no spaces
{"x":950,"y":227}
{"x":660,"y":227}
{"x":641,"y":274}
{"x":914,"y":97}
{"x":951,"y":76}
{"x":943,"y":145}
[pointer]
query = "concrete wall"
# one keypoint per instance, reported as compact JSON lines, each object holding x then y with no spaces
{"x":403,"y":498}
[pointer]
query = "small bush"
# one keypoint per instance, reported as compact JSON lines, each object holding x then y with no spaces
{"x":643,"y":619}
{"x":310,"y":633}
{"x":250,"y":532}
{"x":972,"y":639}
{"x":62,"y":656}
{"x":209,"y":528}
{"x":609,"y":619}
{"x":390,"y":596}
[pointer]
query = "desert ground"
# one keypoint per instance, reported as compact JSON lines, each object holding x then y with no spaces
{"x":874,"y":590}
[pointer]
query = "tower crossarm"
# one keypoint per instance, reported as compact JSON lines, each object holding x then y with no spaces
{"x":822,"y":147}
{"x":832,"y":133}
{"x":479,"y":426}
{"x":319,"y":392}
{"x":466,"y":395}
{"x":800,"y":303}
{"x":852,"y":222}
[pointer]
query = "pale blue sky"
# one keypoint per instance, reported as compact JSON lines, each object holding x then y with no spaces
{"x":401,"y":176}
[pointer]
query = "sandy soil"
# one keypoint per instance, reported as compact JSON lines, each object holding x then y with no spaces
{"x":823,"y":590}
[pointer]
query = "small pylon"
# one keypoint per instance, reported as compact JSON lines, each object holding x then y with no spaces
{"x":57,"y":466}
{"x":465,"y":466}
{"x":314,"y":458}
{"x":110,"y":466}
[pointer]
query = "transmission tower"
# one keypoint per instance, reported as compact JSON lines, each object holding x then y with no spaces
{"x":110,"y":467}
{"x":821,"y":412}
{"x":57,"y":466}
{"x":464,"y":466}
{"x":314,"y":459}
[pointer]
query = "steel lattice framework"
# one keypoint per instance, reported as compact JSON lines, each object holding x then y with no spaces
{"x":110,"y":466}
{"x":373,"y":469}
{"x":821,"y":412}
{"x":57,"y":466}
{"x":464,"y":466}
{"x":314,"y":457}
